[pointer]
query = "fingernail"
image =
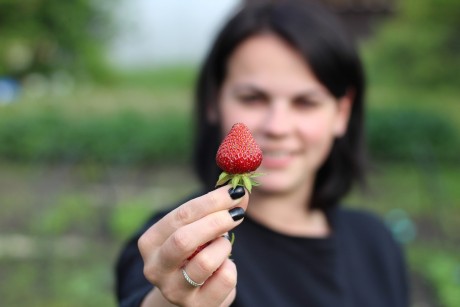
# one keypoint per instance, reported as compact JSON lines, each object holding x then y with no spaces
{"x":237,"y":192}
{"x":236,"y":213}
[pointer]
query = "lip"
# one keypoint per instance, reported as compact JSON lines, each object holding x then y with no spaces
{"x":275,"y":159}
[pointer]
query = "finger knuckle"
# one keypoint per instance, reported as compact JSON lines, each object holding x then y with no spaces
{"x":183,"y":214}
{"x":228,"y":278}
{"x":171,"y":294}
{"x":148,"y":241}
{"x":143,"y":243}
{"x":205,"y":263}
{"x":149,"y":273}
{"x":181,"y":241}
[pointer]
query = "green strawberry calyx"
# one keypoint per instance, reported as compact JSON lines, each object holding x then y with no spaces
{"x":246,"y":180}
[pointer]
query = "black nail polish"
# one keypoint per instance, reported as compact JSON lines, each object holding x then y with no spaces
{"x":236,"y":213}
{"x":237,"y":192}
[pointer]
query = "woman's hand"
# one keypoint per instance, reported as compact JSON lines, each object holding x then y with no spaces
{"x":166,"y":246}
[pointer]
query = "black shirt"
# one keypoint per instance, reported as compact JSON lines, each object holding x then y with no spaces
{"x":358,"y":265}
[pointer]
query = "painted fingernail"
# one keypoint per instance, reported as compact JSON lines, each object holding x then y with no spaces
{"x":237,"y":192}
{"x":236,"y":213}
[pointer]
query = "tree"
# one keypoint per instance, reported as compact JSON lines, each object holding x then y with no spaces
{"x":47,"y":35}
{"x":420,"y":45}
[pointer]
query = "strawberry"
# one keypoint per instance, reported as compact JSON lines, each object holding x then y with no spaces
{"x":239,"y":156}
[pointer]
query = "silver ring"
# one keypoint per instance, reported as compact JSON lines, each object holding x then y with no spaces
{"x":191,"y":281}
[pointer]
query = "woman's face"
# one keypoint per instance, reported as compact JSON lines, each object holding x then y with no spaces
{"x":292,"y":116}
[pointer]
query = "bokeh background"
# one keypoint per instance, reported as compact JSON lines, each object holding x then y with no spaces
{"x":95,"y":134}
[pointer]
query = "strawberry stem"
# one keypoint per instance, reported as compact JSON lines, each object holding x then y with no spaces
{"x":245,"y":180}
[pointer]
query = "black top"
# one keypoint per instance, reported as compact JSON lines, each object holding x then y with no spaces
{"x":358,"y":265}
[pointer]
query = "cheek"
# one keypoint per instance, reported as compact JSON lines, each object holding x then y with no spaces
{"x":317,"y":130}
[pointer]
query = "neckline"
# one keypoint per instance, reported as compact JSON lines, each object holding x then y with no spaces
{"x":330,"y":216}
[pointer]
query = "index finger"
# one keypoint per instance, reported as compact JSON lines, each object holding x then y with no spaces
{"x":194,"y":210}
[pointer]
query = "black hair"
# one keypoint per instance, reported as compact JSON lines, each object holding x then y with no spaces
{"x":318,"y":35}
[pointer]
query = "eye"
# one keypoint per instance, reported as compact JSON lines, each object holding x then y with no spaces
{"x":304,"y":103}
{"x":252,"y":98}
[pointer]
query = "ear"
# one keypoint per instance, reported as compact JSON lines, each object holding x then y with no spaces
{"x":344,"y":107}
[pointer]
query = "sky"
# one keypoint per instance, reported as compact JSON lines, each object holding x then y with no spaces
{"x":164,"y":32}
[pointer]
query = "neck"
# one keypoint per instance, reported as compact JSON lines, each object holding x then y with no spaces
{"x":288,"y":213}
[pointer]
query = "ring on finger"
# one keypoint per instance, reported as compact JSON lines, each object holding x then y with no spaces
{"x":191,"y":281}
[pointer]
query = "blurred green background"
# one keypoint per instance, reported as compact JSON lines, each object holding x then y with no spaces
{"x":88,"y":151}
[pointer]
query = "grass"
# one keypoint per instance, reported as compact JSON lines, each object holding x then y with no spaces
{"x":63,"y":226}
{"x":53,"y":281}
{"x":107,"y":100}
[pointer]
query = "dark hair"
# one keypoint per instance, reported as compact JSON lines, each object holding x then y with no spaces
{"x":320,"y":38}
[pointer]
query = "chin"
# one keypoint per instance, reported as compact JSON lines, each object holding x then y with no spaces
{"x":274,"y":186}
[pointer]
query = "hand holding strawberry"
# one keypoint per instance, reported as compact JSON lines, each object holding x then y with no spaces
{"x":188,"y":241}
{"x":174,"y":265}
{"x":239,"y":156}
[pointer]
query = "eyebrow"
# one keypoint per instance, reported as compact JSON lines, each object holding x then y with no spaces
{"x":246,"y":87}
{"x":306,"y":93}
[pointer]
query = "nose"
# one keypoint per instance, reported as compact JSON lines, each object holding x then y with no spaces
{"x":278,"y":122}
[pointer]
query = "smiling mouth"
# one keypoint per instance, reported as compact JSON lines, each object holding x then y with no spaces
{"x":277,"y":154}
{"x":276,"y":159}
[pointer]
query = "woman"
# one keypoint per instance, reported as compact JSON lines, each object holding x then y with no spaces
{"x":293,"y":77}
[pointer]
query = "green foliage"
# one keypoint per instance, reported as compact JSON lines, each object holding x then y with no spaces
{"x":405,"y":134}
{"x":126,"y":137}
{"x":51,"y":282}
{"x":419,"y":46}
{"x":72,"y":214}
{"x":168,"y":78}
{"x":47,"y":35}
{"x":126,"y":218}
{"x":440,"y":268}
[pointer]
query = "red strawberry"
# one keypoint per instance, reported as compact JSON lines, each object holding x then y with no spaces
{"x":239,"y":156}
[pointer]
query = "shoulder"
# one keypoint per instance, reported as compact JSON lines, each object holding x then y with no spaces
{"x":373,"y":251}
{"x":363,"y":222}
{"x":367,"y":230}
{"x":366,"y":236}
